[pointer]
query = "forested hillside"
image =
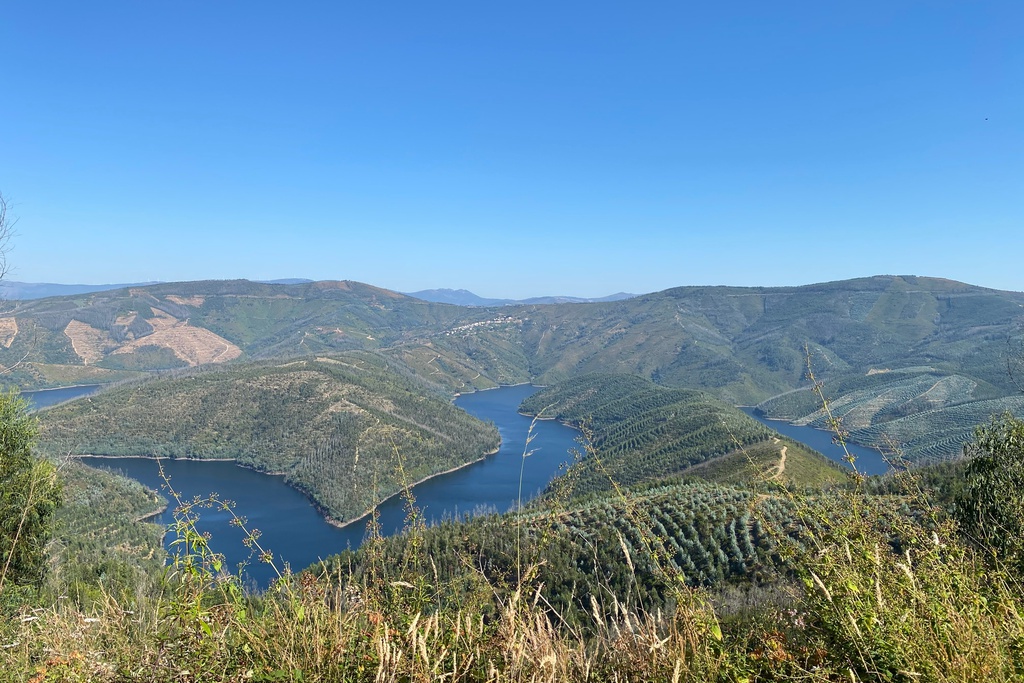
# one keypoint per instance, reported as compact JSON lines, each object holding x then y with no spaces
{"x":744,"y":345}
{"x":196,"y":323}
{"x":349,"y":430}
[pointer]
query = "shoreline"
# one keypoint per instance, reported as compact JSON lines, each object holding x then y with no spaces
{"x":568,"y":423}
{"x":69,"y":386}
{"x":162,"y":457}
{"x":320,"y":510}
{"x":342,"y":525}
{"x":324,"y":514}
{"x":500,"y":386}
{"x":875,"y":451}
{"x":187,"y":460}
{"x":155,"y":513}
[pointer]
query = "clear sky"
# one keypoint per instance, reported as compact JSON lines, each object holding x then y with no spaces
{"x":514,"y":149}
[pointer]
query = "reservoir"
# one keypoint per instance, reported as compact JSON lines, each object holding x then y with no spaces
{"x":44,"y":398}
{"x":295,"y":532}
{"x":868,"y":460}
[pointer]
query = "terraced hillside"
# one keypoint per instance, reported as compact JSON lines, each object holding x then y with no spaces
{"x":927,"y":415}
{"x":641,"y":432}
{"x":631,"y":549}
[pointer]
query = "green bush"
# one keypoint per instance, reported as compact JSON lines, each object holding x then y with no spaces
{"x":990,"y":507}
{"x":29,"y":495}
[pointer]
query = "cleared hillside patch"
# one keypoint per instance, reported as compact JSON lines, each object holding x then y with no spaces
{"x":8,"y":331}
{"x":194,"y":345}
{"x":89,"y":343}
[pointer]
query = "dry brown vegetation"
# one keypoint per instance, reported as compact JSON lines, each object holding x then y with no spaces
{"x":91,"y":344}
{"x":195,"y":301}
{"x":8,"y":331}
{"x":194,"y":345}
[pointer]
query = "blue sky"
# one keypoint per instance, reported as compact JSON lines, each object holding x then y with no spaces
{"x":514,"y":149}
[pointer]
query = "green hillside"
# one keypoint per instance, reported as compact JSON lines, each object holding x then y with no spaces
{"x":642,"y":432}
{"x":927,"y":415}
{"x":744,"y":342}
{"x":101,"y":541}
{"x":887,"y":347}
{"x":761,"y":463}
{"x":748,"y":343}
{"x":331,"y":426}
{"x":196,"y":323}
{"x":636,"y":548}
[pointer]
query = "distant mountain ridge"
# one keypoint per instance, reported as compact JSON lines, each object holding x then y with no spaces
{"x":27,"y":291}
{"x":464,"y":297}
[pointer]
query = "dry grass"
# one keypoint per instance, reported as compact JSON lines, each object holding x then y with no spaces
{"x":323,"y":632}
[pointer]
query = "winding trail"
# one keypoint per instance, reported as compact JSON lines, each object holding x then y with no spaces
{"x":782,"y":462}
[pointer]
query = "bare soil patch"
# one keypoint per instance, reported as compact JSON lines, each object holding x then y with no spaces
{"x":194,"y":301}
{"x":194,"y":345}
{"x":8,"y":331}
{"x":162,"y":320}
{"x":89,"y":343}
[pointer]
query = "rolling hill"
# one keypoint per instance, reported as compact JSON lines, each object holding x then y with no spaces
{"x":745,"y":345}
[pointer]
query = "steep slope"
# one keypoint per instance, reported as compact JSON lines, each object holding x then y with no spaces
{"x":746,"y":343}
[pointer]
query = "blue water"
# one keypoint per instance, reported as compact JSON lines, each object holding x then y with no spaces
{"x":868,"y":460}
{"x":293,"y":530}
{"x":48,"y":397}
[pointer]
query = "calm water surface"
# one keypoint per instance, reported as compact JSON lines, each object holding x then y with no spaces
{"x":48,"y":397}
{"x":869,"y":460}
{"x":293,"y":530}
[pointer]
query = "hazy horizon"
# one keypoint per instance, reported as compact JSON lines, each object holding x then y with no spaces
{"x":498,"y":296}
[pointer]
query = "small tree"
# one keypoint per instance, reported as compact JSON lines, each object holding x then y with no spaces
{"x":29,"y":495}
{"x":6,"y":233}
{"x":29,"y":490}
{"x":990,"y":508}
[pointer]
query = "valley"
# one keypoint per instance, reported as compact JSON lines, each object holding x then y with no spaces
{"x":917,"y":360}
{"x":350,"y":395}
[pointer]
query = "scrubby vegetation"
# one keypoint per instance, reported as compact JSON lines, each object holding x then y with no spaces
{"x":29,"y":495}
